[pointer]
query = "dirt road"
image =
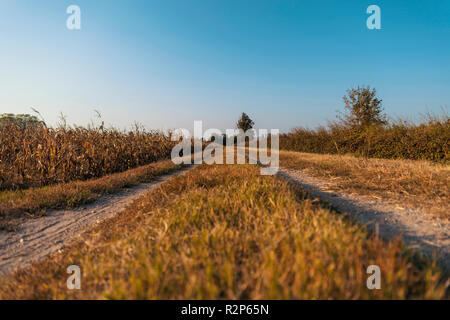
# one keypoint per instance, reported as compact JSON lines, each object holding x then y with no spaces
{"x":418,"y":230}
{"x":37,"y":238}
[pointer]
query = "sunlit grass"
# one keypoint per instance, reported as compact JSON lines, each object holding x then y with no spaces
{"x":226,"y":232}
{"x":411,"y":183}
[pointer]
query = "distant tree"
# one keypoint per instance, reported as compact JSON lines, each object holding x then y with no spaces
{"x":245,"y":123}
{"x":23,"y":120}
{"x":363,"y":108}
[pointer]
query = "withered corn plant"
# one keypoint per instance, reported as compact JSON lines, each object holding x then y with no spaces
{"x":37,"y":155}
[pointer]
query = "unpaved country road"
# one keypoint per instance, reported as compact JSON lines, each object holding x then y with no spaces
{"x":418,"y":231}
{"x":37,"y":238}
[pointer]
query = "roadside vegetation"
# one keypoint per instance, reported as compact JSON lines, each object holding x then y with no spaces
{"x":34,"y":155}
{"x":227,"y":232}
{"x":18,"y":205}
{"x":418,"y":184}
{"x":364,"y":130}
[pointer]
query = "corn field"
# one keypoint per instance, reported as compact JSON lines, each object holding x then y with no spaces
{"x":37,"y":155}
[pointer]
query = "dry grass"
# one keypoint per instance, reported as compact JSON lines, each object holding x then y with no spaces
{"x":15,"y":206}
{"x":227,"y":232}
{"x":417,"y":184}
{"x":35,"y":156}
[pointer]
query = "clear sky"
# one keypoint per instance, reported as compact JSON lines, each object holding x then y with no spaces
{"x":167,"y":63}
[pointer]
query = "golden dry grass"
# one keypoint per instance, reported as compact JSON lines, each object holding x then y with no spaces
{"x":15,"y":206}
{"x":417,"y":184}
{"x":226,"y":232}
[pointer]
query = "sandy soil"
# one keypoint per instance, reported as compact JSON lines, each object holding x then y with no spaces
{"x":37,"y":238}
{"x":418,"y":230}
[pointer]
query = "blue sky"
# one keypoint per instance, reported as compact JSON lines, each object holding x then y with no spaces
{"x":168,"y":63}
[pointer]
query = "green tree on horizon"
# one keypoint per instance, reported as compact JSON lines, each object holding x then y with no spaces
{"x":24,"y":120}
{"x":363,"y":108}
{"x":245,"y":123}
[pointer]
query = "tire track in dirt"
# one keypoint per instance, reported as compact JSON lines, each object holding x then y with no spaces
{"x":37,"y":238}
{"x":419,"y":232}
